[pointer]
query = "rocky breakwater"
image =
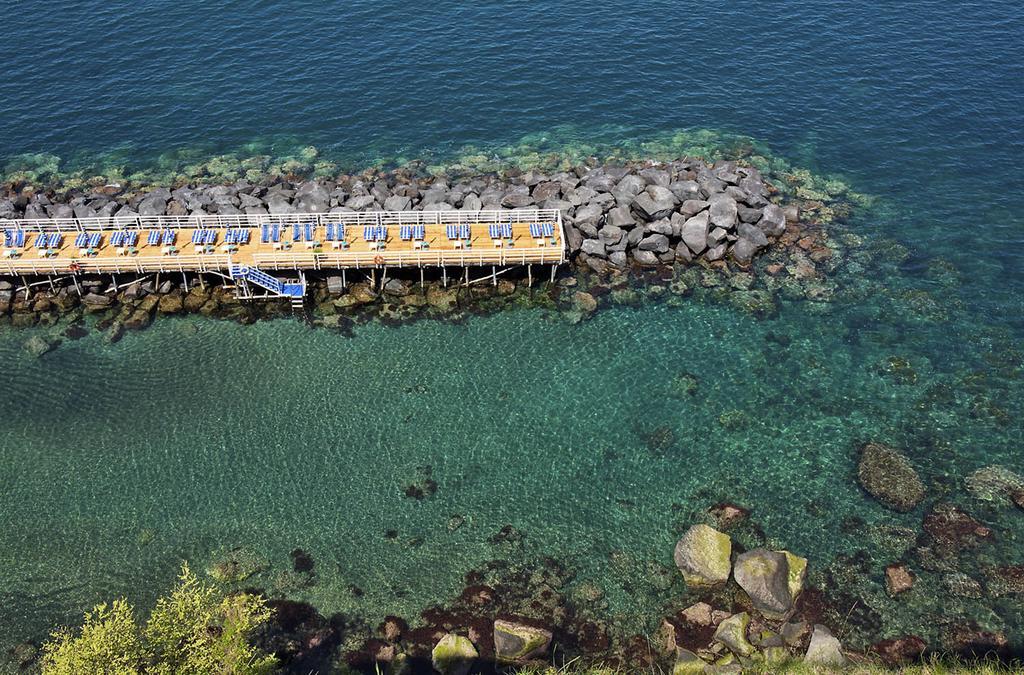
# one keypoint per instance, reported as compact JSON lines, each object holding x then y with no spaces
{"x":680,"y":211}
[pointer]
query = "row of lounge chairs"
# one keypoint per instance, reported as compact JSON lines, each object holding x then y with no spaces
{"x":14,"y":238}
{"x":161,"y":237}
{"x":239,"y":235}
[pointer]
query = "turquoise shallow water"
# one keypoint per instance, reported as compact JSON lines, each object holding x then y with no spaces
{"x":118,"y":461}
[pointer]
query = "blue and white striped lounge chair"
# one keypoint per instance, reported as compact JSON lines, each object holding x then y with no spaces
{"x":19,"y":238}
{"x":275,"y":232}
{"x":153,"y":238}
{"x":229,"y":236}
{"x":535,"y":230}
{"x":329,"y":232}
{"x":382,"y":233}
{"x":82,"y":240}
{"x":41,"y":241}
{"x":168,"y":238}
{"x":297,"y":232}
{"x":370,"y":233}
{"x":494,"y":230}
{"x":464,"y":232}
{"x":310,"y":232}
{"x":54,"y":240}
{"x":116,"y":238}
{"x":405,"y":232}
{"x":211,"y":237}
{"x":549,"y":229}
{"x":451,"y":231}
{"x":265,"y":233}
{"x":94,"y":240}
{"x":506,"y":230}
{"x":419,"y":232}
{"x":197,"y":237}
{"x":8,"y":238}
{"x":243,"y":236}
{"x":131,"y":237}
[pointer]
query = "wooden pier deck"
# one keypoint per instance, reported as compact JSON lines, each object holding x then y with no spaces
{"x":436,"y":249}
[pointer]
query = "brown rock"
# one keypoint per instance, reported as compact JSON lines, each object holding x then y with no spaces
{"x":969,"y":639}
{"x":953,"y":530}
{"x":899,"y":650}
{"x":727,"y":514}
{"x":698,"y":614}
{"x":898,"y":579}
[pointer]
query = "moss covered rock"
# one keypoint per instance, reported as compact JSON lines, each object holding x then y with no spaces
{"x":453,"y":655}
{"x":888,"y":476}
{"x":732,"y":633}
{"x":518,"y":643}
{"x":702,"y":555}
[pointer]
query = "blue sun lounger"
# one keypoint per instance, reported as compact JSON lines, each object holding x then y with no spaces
{"x":329,"y":232}
{"x":494,"y":230}
{"x":41,"y":241}
{"x":8,"y":238}
{"x":197,"y":236}
{"x":405,"y":232}
{"x":211,"y":237}
{"x":506,"y":230}
{"x":94,"y":240}
{"x":168,"y":238}
{"x":310,"y":231}
{"x":116,"y":238}
{"x":131,"y":237}
{"x":370,"y":233}
{"x":54,"y":240}
{"x":243,"y":236}
{"x":153,"y":238}
{"x":419,"y":232}
{"x":464,"y":232}
{"x":275,"y":232}
{"x":82,"y":240}
{"x":549,"y":229}
{"x":265,"y":233}
{"x":382,"y":233}
{"x":297,"y":232}
{"x":229,"y":236}
{"x":17,"y":238}
{"x":536,"y":231}
{"x":451,"y":231}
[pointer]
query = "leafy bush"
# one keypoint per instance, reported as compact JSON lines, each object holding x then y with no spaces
{"x":193,"y":630}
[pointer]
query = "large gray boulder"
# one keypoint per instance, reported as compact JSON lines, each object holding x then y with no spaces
{"x":279,"y":204}
{"x":611,"y":235}
{"x":754,"y":234}
{"x":773,"y":220}
{"x":655,"y":203}
{"x":702,"y":555}
{"x":516,"y":200}
{"x":356,"y":203}
{"x":724,"y":211}
{"x":594,"y":247}
{"x":694,"y":232}
{"x":656,"y":242}
{"x":621,"y":216}
{"x":645,"y":258}
{"x":685,"y":190}
{"x":772,"y":580}
{"x":397,"y":203}
{"x":743,"y":250}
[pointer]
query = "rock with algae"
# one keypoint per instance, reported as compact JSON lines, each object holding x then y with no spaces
{"x":888,"y":476}
{"x":732,"y":633}
{"x":703,"y":554}
{"x":517,"y":642}
{"x":453,"y":655}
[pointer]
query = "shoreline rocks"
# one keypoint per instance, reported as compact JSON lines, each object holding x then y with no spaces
{"x":703,"y":556}
{"x":888,"y":476}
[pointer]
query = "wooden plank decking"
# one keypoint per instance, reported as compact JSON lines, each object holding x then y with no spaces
{"x":439,"y":250}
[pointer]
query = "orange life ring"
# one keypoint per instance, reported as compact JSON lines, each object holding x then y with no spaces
{"x":378,"y":260}
{"x":74,"y":267}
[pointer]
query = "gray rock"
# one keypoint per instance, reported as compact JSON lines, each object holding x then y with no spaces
{"x":683,"y":252}
{"x":717,"y":236}
{"x":611,"y":235}
{"x":645,"y":258}
{"x":279,"y":204}
{"x":824,"y":649}
{"x":653,"y":176}
{"x":245,"y":200}
{"x":518,"y":643}
{"x":621,"y":216}
{"x":152,"y":206}
{"x":748,"y":214}
{"x":754,"y":234}
{"x":589,"y":214}
{"x":631,"y":185}
{"x":649,"y":208}
{"x":96,"y":300}
{"x":356,"y":203}
{"x":81,"y":211}
{"x":594,"y":247}
{"x":715,"y":253}
{"x":743,"y":250}
{"x":574,"y":238}
{"x":685,"y":190}
{"x":617,"y":258}
{"x":792,"y":213}
{"x":694,"y":232}
{"x":514,"y":200}
{"x":656,"y":242}
{"x":773,"y":220}
{"x":724,"y":211}
{"x":438,"y":206}
{"x":634,"y":237}
{"x":692,"y":207}
{"x":335,"y":285}
{"x":397,"y":203}
{"x":764,"y":576}
{"x":663,"y":226}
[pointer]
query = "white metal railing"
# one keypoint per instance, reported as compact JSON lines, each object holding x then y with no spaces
{"x":420,"y":258}
{"x":349,"y":218}
{"x":116,"y":265}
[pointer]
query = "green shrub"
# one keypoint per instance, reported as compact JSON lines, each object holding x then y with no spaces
{"x":193,"y":630}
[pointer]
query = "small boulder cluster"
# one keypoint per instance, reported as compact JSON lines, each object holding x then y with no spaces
{"x":703,"y":639}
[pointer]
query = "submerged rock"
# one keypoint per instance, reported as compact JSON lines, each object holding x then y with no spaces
{"x":898,"y":579}
{"x":996,"y":484}
{"x":702,"y":555}
{"x":888,"y":476}
{"x":453,"y":655}
{"x":37,"y":345}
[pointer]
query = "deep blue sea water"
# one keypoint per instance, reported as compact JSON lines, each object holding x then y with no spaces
{"x":919,"y":104}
